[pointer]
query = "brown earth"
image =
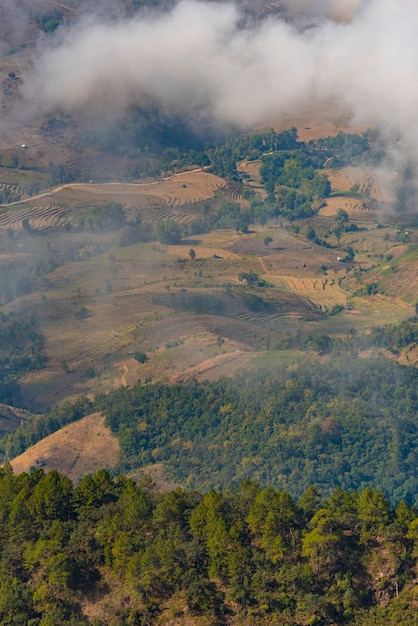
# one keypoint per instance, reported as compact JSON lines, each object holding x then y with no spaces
{"x":226,"y":362}
{"x":169,"y":197}
{"x":80,"y":448}
{"x":320,"y":119}
{"x":95,"y":352}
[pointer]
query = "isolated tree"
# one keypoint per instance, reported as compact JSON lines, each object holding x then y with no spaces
{"x":192,"y":254}
{"x":338,"y":232}
{"x":267,"y":241}
{"x":311,"y":235}
{"x":168,"y":231}
{"x":349,"y":254}
{"x":251,"y":277}
{"x":81,"y":311}
{"x":141,"y":357}
{"x":341,"y":218}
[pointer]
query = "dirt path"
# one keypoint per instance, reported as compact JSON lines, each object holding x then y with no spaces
{"x":45,"y":194}
{"x":263,"y":265}
{"x":210,"y":364}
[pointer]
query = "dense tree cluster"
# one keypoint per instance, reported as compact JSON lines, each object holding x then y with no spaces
{"x":292,"y":181}
{"x":344,"y":149}
{"x":290,"y":169}
{"x":252,"y":553}
{"x":21,"y":351}
{"x":349,"y":422}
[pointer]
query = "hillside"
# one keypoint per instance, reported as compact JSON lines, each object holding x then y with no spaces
{"x":76,"y":450}
{"x":109,"y":551}
{"x":208,"y":313}
{"x":11,"y":418}
{"x":106,"y":285}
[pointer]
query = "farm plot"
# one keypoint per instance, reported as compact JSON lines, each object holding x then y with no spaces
{"x":354,"y":206}
{"x":172,"y":197}
{"x":324,"y":290}
{"x":9,"y":193}
{"x":234,"y":191}
{"x":366,"y":180}
{"x":184,"y":188}
{"x":251,"y":170}
{"x":37,"y":216}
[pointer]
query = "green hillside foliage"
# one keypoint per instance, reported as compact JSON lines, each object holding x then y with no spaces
{"x":21,"y":351}
{"x":348,"y":422}
{"x":30,"y":432}
{"x":290,"y":169}
{"x":251,"y":554}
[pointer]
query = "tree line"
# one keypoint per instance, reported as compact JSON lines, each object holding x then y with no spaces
{"x":346,"y":422}
{"x":253,"y":554}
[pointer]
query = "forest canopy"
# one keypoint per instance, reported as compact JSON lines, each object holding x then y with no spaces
{"x":251,"y":554}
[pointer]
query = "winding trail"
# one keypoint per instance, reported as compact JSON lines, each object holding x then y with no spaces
{"x":54,"y":190}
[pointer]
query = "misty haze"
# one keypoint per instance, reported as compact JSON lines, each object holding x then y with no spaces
{"x":208,"y":313}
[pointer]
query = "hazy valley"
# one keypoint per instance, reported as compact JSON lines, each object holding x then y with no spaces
{"x":214,"y":293}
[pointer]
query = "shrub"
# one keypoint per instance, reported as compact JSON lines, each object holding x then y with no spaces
{"x":141,"y":357}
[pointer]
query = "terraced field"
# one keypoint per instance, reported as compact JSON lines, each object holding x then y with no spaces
{"x":9,"y":193}
{"x":171,"y":197}
{"x":324,"y":291}
{"x":251,"y":169}
{"x":37,"y":216}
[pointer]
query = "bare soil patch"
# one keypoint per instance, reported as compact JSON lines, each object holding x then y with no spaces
{"x":221,"y":363}
{"x":372,"y":181}
{"x":354,"y":206}
{"x":77,"y":449}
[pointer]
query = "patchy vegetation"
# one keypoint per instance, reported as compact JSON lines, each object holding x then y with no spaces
{"x":152,"y":250}
{"x":21,"y":351}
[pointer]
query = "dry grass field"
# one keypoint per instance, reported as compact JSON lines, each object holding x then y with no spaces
{"x":170,"y":197}
{"x":367,"y":180}
{"x":80,"y":448}
{"x":320,"y":119}
{"x":189,"y":316}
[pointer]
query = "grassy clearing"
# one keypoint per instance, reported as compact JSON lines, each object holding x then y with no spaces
{"x":14,"y":176}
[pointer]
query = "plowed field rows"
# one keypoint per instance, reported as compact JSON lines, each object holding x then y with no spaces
{"x":172,"y":197}
{"x":323,"y":290}
{"x":38,"y":216}
{"x":354,"y":207}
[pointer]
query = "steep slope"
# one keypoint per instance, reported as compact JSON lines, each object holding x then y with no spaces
{"x":78,"y":449}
